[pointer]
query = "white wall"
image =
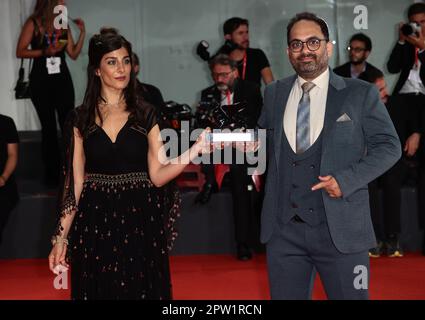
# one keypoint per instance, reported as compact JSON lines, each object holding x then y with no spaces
{"x":165,"y":33}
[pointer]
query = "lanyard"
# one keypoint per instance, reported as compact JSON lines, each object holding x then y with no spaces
{"x":244,"y":67}
{"x":416,"y":56}
{"x":51,"y":40}
{"x":229,"y":98}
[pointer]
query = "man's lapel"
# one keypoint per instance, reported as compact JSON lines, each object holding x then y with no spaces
{"x":283,"y":90}
{"x":334,"y":103}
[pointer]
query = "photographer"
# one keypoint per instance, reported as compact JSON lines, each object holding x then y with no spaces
{"x":252,"y":64}
{"x":408,"y":58}
{"x":9,"y":196}
{"x":230,"y":90}
{"x":359,"y":50}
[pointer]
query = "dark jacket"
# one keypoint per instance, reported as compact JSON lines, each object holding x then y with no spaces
{"x":402,"y":59}
{"x":345,"y":69}
{"x":244,"y":91}
{"x":344,"y":146}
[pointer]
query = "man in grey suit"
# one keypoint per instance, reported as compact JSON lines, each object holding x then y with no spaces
{"x":327,"y":138}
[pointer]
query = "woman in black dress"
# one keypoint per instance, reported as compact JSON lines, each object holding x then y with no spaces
{"x":119,"y":227}
{"x":8,"y":161}
{"x":51,"y":86}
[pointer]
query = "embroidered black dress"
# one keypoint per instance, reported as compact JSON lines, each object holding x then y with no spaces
{"x":123,"y":227}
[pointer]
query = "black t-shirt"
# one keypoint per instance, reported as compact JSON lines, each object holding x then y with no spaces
{"x":255,"y":63}
{"x":8,"y":135}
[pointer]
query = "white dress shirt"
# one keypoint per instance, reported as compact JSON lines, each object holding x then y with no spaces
{"x":227,"y":100}
{"x":318,"y":99}
{"x":414,"y":83}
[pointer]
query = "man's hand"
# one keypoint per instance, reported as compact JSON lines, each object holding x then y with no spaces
{"x":412,"y":144}
{"x":247,"y":147}
{"x":417,"y":41}
{"x":330,"y":185}
{"x":80,"y":24}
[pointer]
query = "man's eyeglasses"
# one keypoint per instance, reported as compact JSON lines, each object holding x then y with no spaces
{"x":221,"y":75}
{"x":313,"y":44}
{"x":356,"y":50}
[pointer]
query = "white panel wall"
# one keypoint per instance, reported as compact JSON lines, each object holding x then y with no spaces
{"x":165,"y":34}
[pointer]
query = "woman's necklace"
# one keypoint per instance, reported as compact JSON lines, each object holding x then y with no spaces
{"x":116,"y":104}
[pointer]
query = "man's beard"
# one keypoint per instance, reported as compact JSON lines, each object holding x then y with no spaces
{"x":243,"y":46}
{"x":224,"y":87}
{"x":357,"y":62}
{"x":311,"y":68}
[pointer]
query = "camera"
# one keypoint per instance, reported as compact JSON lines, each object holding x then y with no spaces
{"x":173,"y":113}
{"x":410,"y":29}
{"x":231,"y":116}
{"x":202,"y":50}
{"x":210,"y":113}
{"x":226,"y":117}
{"x":203,"y":46}
{"x":204,"y":115}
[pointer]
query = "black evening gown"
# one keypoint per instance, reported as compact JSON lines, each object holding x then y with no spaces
{"x":123,"y":227}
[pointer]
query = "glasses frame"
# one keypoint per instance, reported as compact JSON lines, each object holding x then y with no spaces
{"x":306,"y":43}
{"x":356,"y":50}
{"x":221,"y":74}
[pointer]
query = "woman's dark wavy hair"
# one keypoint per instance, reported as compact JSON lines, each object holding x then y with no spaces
{"x":106,"y":41}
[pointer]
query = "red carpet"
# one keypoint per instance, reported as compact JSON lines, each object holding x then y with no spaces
{"x":220,"y":278}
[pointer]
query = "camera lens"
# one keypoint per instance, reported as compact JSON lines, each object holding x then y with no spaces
{"x":407,"y":29}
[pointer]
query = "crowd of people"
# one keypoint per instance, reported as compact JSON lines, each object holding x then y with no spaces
{"x":117,"y":199}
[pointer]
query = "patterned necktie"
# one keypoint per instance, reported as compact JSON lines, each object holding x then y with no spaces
{"x":303,"y":119}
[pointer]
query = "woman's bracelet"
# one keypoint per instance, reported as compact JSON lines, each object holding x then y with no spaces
{"x":60,"y":240}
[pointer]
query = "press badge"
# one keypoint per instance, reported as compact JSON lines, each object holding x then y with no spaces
{"x":53,"y":65}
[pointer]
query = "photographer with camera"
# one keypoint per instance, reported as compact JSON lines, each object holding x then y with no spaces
{"x":242,"y":100}
{"x":252,"y":64}
{"x":408,"y":58}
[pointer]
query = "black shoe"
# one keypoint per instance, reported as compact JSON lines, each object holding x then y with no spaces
{"x":204,"y":196}
{"x":394,"y":249}
{"x":243,"y":254}
{"x":377,"y":251}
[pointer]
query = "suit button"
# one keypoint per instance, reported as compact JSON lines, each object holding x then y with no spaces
{"x":312,"y":166}
{"x":294,"y":206}
{"x":294,"y":164}
{"x":311,"y":210}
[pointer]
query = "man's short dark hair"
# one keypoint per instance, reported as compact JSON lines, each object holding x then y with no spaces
{"x":415,"y":9}
{"x":371,"y":75}
{"x":233,"y":23}
{"x":362,"y":38}
{"x":310,"y":17}
{"x":224,"y":60}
